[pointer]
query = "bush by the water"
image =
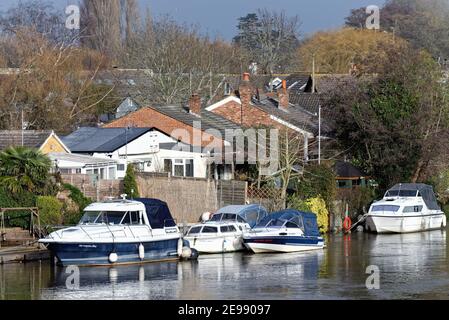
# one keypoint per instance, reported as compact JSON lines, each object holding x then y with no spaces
{"x":50,"y":210}
{"x":315,"y":205}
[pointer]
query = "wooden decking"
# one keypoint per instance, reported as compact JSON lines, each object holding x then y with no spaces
{"x":23,"y":254}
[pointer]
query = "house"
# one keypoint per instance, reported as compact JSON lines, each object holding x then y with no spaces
{"x":45,"y":140}
{"x":148,"y":149}
{"x":204,"y":132}
{"x":348,"y":176}
{"x":70,"y":163}
{"x":254,"y":107}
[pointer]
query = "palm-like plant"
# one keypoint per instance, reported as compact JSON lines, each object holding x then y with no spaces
{"x":24,"y":170}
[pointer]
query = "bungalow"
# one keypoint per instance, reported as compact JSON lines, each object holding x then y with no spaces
{"x":44,"y":140}
{"x":201,"y":132}
{"x":149,"y":149}
{"x":348,"y":176}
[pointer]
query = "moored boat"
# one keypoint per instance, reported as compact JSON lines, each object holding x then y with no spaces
{"x":285,"y":231}
{"x":118,"y":232}
{"x":224,"y":231}
{"x":406,"y":207}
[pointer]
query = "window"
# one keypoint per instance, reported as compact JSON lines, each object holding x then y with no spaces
{"x":216,"y":217}
{"x":240,"y":219}
{"x":109,"y":217}
{"x":189,"y":168}
{"x":291,"y":225}
{"x":229,"y":216}
{"x":168,"y":166}
{"x":195,"y":230}
{"x":131,"y":217}
{"x":224,"y":229}
{"x":120,"y":167}
{"x":179,"y":167}
{"x":232,"y":229}
{"x":401,"y":193}
{"x":381,"y":208}
{"x":208,"y":229}
{"x":412,"y":209}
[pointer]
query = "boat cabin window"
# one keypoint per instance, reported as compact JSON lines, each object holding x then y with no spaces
{"x":110,"y":217}
{"x":216,"y":217}
{"x":209,"y":229}
{"x":290,"y":224}
{"x":380,"y":208}
{"x":89,"y":217}
{"x":132,"y":217}
{"x":195,"y":230}
{"x":413,"y":209}
{"x":225,"y":229}
{"x":229,"y":216}
{"x":401,"y":193}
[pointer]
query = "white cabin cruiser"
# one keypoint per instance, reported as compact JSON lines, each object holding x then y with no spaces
{"x":285,"y":231}
{"x":224,"y":231}
{"x":118,"y":232}
{"x":407,"y":207}
{"x":216,"y":237}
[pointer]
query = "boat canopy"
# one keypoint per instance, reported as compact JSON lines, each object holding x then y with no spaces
{"x":412,"y":189}
{"x":304,"y":220}
{"x":251,"y":213}
{"x":158,"y":213}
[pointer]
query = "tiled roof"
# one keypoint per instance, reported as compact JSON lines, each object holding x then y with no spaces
{"x":347,"y":170}
{"x":31,"y":138}
{"x":101,"y":140}
{"x":208,"y":120}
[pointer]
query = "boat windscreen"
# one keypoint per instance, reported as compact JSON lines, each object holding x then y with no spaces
{"x":108,"y":217}
{"x":401,"y":193}
{"x":381,"y":208}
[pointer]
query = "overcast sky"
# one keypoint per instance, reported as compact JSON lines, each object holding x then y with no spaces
{"x":219,"y":17}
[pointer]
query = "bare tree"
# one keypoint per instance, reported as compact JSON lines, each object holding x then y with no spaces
{"x":270,"y":38}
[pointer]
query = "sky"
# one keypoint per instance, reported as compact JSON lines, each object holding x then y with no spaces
{"x":219,"y":17}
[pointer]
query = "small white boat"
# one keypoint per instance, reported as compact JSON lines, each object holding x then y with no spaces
{"x":407,"y":207}
{"x":224,"y":231}
{"x":216,"y":236}
{"x":285,"y":231}
{"x":118,"y":232}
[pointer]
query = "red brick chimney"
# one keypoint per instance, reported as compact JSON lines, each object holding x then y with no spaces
{"x":195,"y":104}
{"x":245,"y":91}
{"x":283,"y":96}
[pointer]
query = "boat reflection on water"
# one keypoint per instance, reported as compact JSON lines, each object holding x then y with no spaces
{"x":248,"y":276}
{"x":145,"y":281}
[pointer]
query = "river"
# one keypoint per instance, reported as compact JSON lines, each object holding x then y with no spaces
{"x":410,"y":266}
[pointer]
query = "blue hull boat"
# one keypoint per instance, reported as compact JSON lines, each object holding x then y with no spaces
{"x":118,"y":232}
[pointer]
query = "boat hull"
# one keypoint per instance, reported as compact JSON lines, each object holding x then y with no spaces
{"x":99,"y":253}
{"x":405,"y":224}
{"x":283,"y":244}
{"x":216,"y":244}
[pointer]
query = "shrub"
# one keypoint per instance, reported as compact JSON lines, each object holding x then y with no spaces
{"x":130,"y":184}
{"x":19,"y":219}
{"x":73,"y":215}
{"x":315,"y":205}
{"x":318,"y":181}
{"x":50,"y":210}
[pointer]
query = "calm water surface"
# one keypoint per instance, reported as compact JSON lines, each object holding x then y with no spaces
{"x":411,"y":266}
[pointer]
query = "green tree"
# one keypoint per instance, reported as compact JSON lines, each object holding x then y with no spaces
{"x":130,"y":184}
{"x":24,"y":170}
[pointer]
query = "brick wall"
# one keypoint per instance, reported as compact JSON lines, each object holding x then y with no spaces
{"x":97,"y":190}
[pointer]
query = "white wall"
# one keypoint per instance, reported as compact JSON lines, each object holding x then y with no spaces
{"x":144,"y":149}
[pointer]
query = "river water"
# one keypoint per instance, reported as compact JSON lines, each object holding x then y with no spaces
{"x":411,"y":266}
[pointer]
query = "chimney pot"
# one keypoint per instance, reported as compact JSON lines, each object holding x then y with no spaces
{"x":284,"y":84}
{"x":195,"y":104}
{"x":283,"y":96}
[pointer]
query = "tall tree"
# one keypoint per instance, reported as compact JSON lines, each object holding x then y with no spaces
{"x":269,"y":37}
{"x":395,"y":124}
{"x":425,"y":24}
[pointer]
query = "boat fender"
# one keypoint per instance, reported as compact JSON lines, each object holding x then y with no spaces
{"x":237,"y":242}
{"x":141,"y":252}
{"x":113,"y":257}
{"x":180,"y":247}
{"x":186,"y":243}
{"x":194,"y":254}
{"x":186,"y":253}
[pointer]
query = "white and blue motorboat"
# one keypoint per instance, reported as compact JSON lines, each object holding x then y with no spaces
{"x":118,"y":232}
{"x":285,"y":231}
